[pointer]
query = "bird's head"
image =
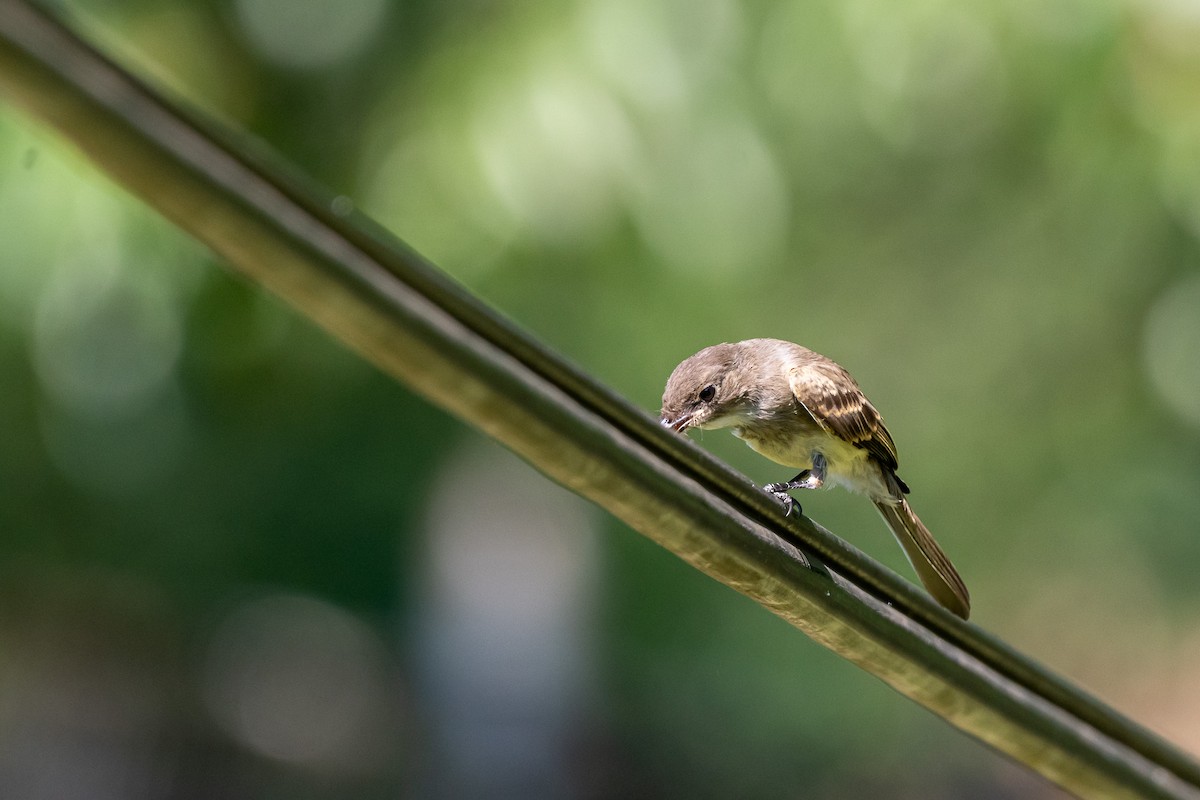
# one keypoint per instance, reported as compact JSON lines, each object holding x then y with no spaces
{"x":708,"y":390}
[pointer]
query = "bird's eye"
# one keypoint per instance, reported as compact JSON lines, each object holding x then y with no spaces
{"x":708,"y":393}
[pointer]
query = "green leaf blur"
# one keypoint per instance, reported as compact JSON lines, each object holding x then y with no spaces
{"x":236,"y":561}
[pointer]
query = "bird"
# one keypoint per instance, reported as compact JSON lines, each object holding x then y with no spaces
{"x":804,"y":410}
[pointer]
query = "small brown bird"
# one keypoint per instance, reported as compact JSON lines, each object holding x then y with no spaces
{"x":801,"y":409}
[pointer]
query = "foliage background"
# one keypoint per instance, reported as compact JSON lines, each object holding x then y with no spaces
{"x":236,"y":561}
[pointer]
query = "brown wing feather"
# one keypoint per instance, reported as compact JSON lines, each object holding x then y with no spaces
{"x":839,"y":406}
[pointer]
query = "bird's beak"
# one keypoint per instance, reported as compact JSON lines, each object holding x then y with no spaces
{"x":679,"y":424}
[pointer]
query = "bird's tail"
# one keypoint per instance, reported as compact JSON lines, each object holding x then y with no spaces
{"x":932,"y":567}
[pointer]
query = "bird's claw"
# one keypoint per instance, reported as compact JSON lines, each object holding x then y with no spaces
{"x":780,"y":492}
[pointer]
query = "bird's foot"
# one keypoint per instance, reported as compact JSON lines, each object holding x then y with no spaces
{"x":780,"y":492}
{"x":808,"y":479}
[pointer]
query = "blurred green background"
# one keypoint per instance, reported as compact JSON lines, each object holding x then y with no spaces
{"x":235,"y":561}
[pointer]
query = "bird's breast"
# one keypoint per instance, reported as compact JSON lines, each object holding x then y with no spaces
{"x":790,"y":440}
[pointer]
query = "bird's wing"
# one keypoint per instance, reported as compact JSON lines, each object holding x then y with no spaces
{"x":834,"y":400}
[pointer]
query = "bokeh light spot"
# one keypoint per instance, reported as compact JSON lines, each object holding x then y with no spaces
{"x":103,"y":344}
{"x":118,"y":456}
{"x":299,"y":680}
{"x":629,"y":45}
{"x":308,"y":34}
{"x":511,"y":577}
{"x":1172,"y":348}
{"x":936,"y":85}
{"x":717,"y":206}
{"x":553,"y":148}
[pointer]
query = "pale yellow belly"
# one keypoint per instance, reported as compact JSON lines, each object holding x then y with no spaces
{"x":846,"y":465}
